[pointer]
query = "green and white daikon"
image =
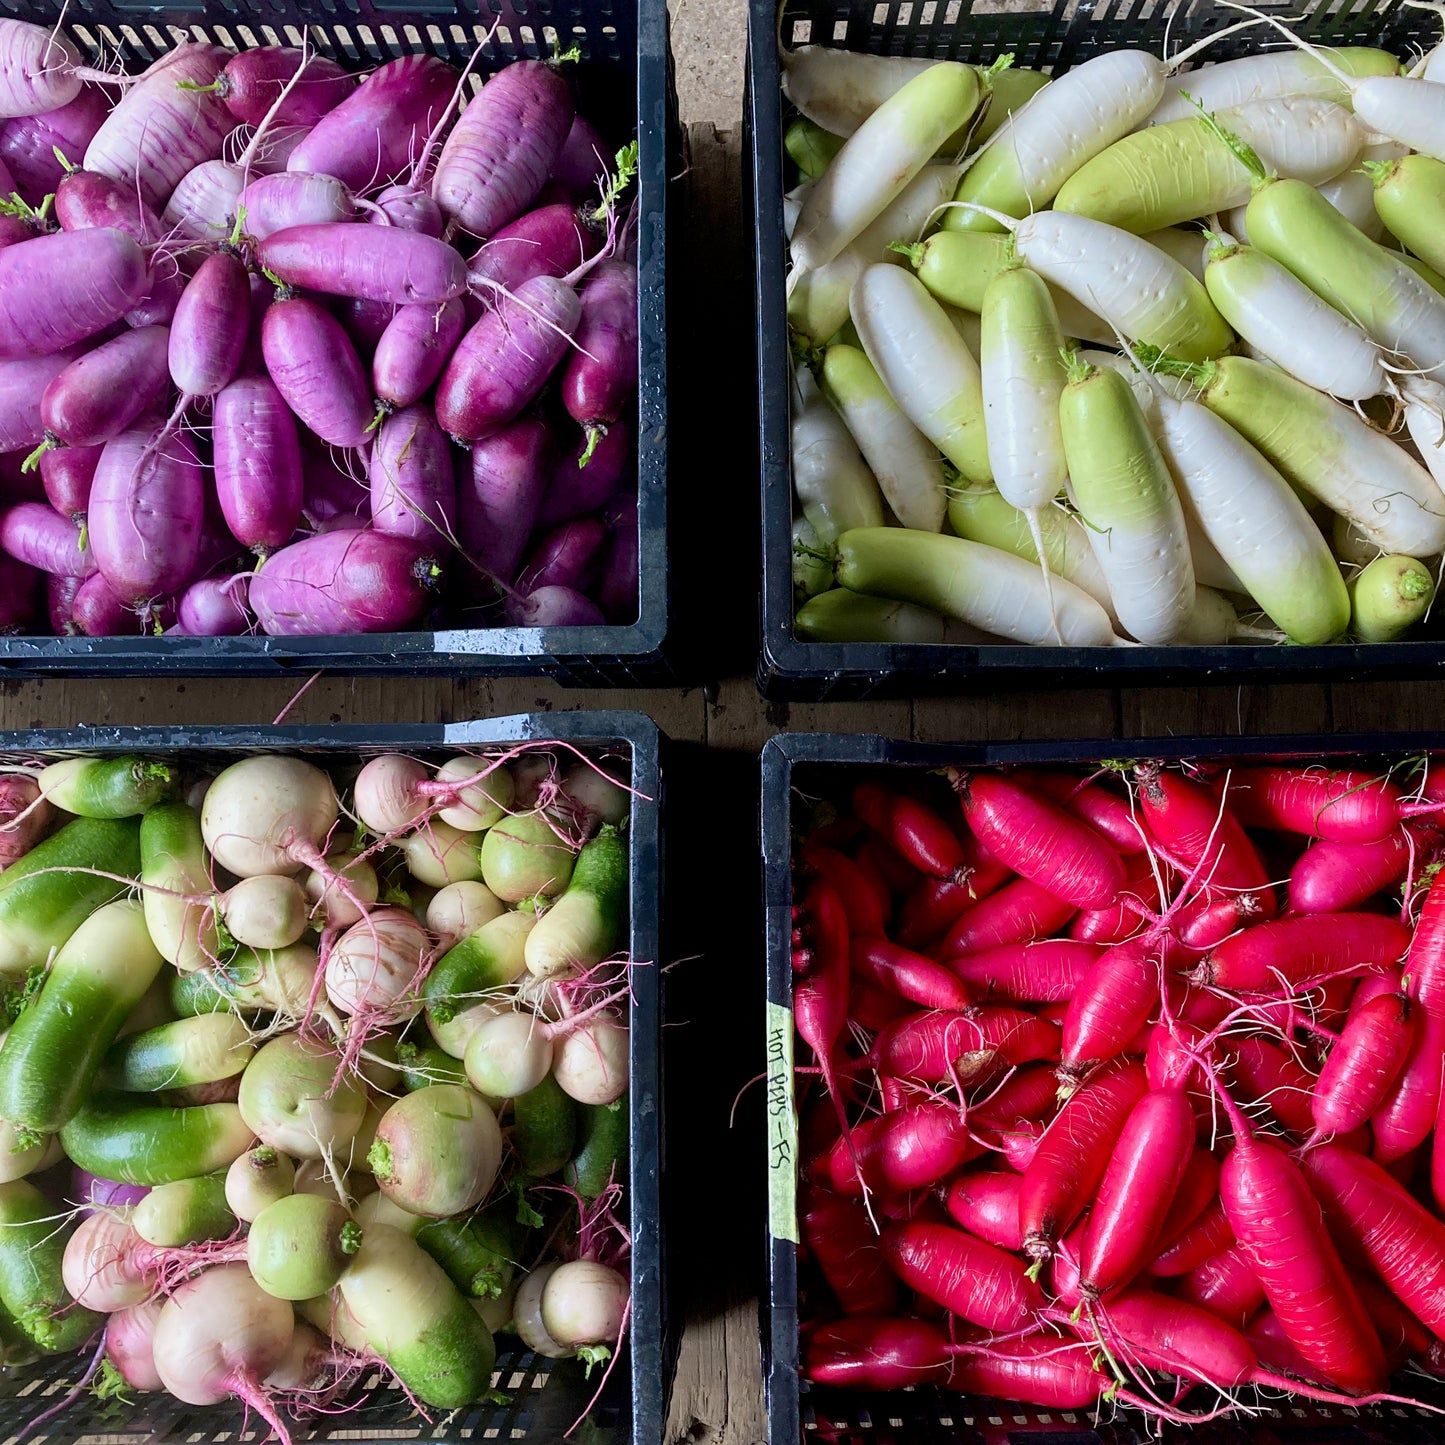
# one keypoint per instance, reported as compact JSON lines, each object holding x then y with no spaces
{"x":1388,"y":597}
{"x":1409,"y":197}
{"x":834,"y":486}
{"x":842,"y":616}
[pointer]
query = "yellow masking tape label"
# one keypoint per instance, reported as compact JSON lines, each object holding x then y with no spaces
{"x":782,"y":1127}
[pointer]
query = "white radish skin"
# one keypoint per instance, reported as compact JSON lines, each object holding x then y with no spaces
{"x":1352,"y":192}
{"x":1408,"y":110}
{"x":1185,"y":247}
{"x":268,"y":814}
{"x":584,"y":1303}
{"x":330,"y":906}
{"x":438,"y":854}
{"x":527,"y":1314}
{"x":203,"y":205}
{"x":509,"y":1055}
{"x":925,"y":365}
{"x":880,"y":159}
{"x":257,"y":1179}
{"x":130,"y":1344}
{"x":458,"y":910}
{"x":453,"y":1036}
{"x":591,"y":1061}
{"x":37,"y":74}
{"x":1425,"y":420}
{"x":373,"y":966}
{"x":99,"y":1265}
{"x":543,"y":996}
{"x":485,"y":802}
{"x":840,"y":89}
{"x":830,"y":478}
{"x":385,"y":796}
{"x":529,"y":774}
{"x":265,"y":911}
{"x":595,"y":797}
{"x":1350,"y":544}
{"x":305,"y":1365}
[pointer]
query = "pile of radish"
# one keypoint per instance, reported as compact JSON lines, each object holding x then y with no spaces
{"x":1125,"y":1085}
{"x":289,"y":351}
{"x":312,"y":1071}
{"x":1129,"y":356}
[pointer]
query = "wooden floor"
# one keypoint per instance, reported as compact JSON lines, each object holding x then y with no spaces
{"x":715,"y":995}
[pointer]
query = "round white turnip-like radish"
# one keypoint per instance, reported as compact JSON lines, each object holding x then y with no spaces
{"x":543,"y":995}
{"x":385,"y":795}
{"x":583,"y":1303}
{"x":130,"y":1344}
{"x":268,"y":814}
{"x":220,"y":1334}
{"x":307,"y":1364}
{"x":373,"y":966}
{"x":257,"y":1180}
{"x":25,"y":817}
{"x":527,"y":1314}
{"x":591,"y":1061}
{"x":480,"y":804}
{"x":458,"y":910}
{"x":453,"y":1036}
{"x":509,"y":1055}
{"x":529,"y":775}
{"x":265,"y":911}
{"x":101,"y":1266}
{"x":437,"y":1151}
{"x":330,"y":904}
{"x":296,"y":1098}
{"x":594,"y":797}
{"x":438,"y":854}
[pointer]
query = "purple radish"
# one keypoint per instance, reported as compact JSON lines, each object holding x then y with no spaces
{"x":257,"y":463}
{"x":145,"y":513}
{"x":59,"y":289}
{"x":293,"y":198}
{"x":616,"y":590}
{"x":37,"y":68}
{"x":90,"y":1192}
{"x":584,"y":160}
{"x":499,"y":492}
{"x":366,"y":321}
{"x":553,"y":607}
{"x":575,"y":490}
{"x":87,"y":200}
{"x":28,"y":143}
{"x":329,"y":494}
{"x":165,"y":284}
{"x":344,"y":582}
{"x":551,"y":241}
{"x":211,"y":325}
{"x":203,"y":205}
{"x":262,"y":295}
{"x":600,"y":377}
{"x":22,"y":384}
{"x":98,"y":612}
{"x":568,"y":556}
{"x":19,"y":591}
{"x":98,"y":395}
{"x":67,"y":473}
{"x":159,"y":131}
{"x":413,"y":489}
{"x":316,"y":368}
{"x":60,"y":602}
{"x":504,"y":360}
{"x":215,"y":607}
{"x":40,"y":537}
{"x":414,"y":349}
{"x":370,"y":138}
{"x":273,"y":153}
{"x":253,"y":80}
{"x":218,"y":551}
{"x":405,"y":206}
{"x":503,"y":147}
{"x":13,"y":230}
{"x":380,"y":263}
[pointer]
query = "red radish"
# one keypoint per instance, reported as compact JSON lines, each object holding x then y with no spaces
{"x":977,"y":1281}
{"x":910,"y":1148}
{"x":1036,"y":1370}
{"x":1337,"y":877}
{"x":1425,"y":962}
{"x":936,"y":1045}
{"x":379,"y":263}
{"x":820,"y":991}
{"x":1404,"y":1120}
{"x":1026,"y":1095}
{"x":1107,"y":813}
{"x":1046,"y":971}
{"x":500,"y":492}
{"x":1140,"y":1184}
{"x":867,"y":907}
{"x":1170,"y":1059}
{"x":841,"y":1239}
{"x":932,"y":907}
{"x":987,"y":1205}
{"x":316,"y":369}
{"x":1121,"y":919}
{"x":1404,"y":1242}
{"x":1040,"y":841}
{"x":909,"y":974}
{"x":257,"y":457}
{"x":1401,"y":1333}
{"x":1070,"y":1161}
{"x":876,"y":1354}
{"x":1205,"y":1237}
{"x":1277,"y":1352}
{"x":897,"y":874}
{"x":1350,"y":806}
{"x":1226,"y":1286}
{"x":1362,"y":1065}
{"x":87,"y":200}
{"x":1299,"y":950}
{"x":254,"y":80}
{"x":1114,"y":1001}
{"x":1269,"y":1075}
{"x":1019,"y":1145}
{"x":1180,"y":1339}
{"x":1018,"y":912}
{"x":413,"y":488}
{"x":912,"y":828}
{"x":413,"y":350}
{"x":874,"y":1007}
{"x":1206,"y":921}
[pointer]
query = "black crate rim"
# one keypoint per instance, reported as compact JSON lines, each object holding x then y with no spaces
{"x":651,"y":1348}
{"x":779,"y":1311}
{"x":600,"y":654}
{"x":1055,"y":35}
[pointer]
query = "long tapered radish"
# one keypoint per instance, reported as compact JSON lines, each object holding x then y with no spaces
{"x":908,"y":1148}
{"x":1299,"y":950}
{"x":1014,"y":914}
{"x":1363,"y":1063}
{"x":1045,"y":971}
{"x":833,"y":483}
{"x":975,"y":1280}
{"x":1349,"y":805}
{"x":1115,"y":999}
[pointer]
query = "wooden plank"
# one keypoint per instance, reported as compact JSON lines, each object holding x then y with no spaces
{"x":1225,"y":711}
{"x":1012,"y":717}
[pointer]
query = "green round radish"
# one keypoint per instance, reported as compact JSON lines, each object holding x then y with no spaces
{"x":527,"y":1314}
{"x":268,"y":814}
{"x":330,"y":905}
{"x":453,"y":1036}
{"x":490,"y":958}
{"x":177,"y":895}
{"x":481,"y":804}
{"x":437,"y":1151}
{"x":544,"y":1128}
{"x":412,"y":1315}
{"x":32,"y":1286}
{"x":601,"y":1157}
{"x":480,"y":1252}
{"x":197,"y":1050}
{"x":524,"y":856}
{"x":439,"y":854}
{"x":1387,"y":598}
{"x":811,"y":147}
{"x":107,"y":787}
{"x":588,"y":923}
{"x":458,"y":910}
{"x":257,"y":1180}
{"x":378,"y":1209}
{"x":423,"y":1065}
{"x":127,"y":1138}
{"x":584,"y":1303}
{"x":187,"y":1211}
{"x":592,"y":1060}
{"x":355,"y":1159}
{"x":509,"y":1054}
{"x":295,"y":1097}
{"x":300,"y":1246}
{"x":266,"y":911}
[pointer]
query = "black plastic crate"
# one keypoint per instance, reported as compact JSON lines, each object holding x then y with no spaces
{"x":543,"y":1397}
{"x":624,"y":83}
{"x":823,"y":766}
{"x":1052,"y":35}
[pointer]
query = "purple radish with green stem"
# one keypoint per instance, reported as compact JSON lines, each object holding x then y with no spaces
{"x":414,"y":349}
{"x":500,"y":490}
{"x":85,"y":200}
{"x":550,"y":241}
{"x":413,"y":488}
{"x":215,"y":607}
{"x":253,"y":80}
{"x":377,"y":263}
{"x":576,"y":489}
{"x":257,"y":460}
{"x":67,"y":474}
{"x":316,"y":369}
{"x":601,"y":376}
{"x":22,"y":385}
{"x":101,"y":393}
{"x":293,"y":198}
{"x":209,"y":331}
{"x":28,"y":143}
{"x":39,"y":536}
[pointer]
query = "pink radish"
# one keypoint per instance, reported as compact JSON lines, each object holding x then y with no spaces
{"x":1363,"y":1063}
{"x":987,"y":1205}
{"x":841,"y":1240}
{"x":1018,"y":912}
{"x":1299,"y":950}
{"x":1336,"y":877}
{"x":1226,"y":1286}
{"x":911,"y":1148}
{"x":1349,"y":806}
{"x":257,"y":458}
{"x":977,"y":1281}
{"x":876,"y":1354}
{"x":1045,"y":971}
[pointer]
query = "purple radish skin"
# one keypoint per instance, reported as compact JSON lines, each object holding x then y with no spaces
{"x":41,"y":538}
{"x":28,"y":143}
{"x":101,"y":393}
{"x":413,"y":488}
{"x":576,"y":490}
{"x":500,"y":487}
{"x":550,"y":241}
{"x":568,"y":556}
{"x":405,"y":206}
{"x":252,"y":81}
{"x":22,"y":386}
{"x":378,"y":263}
{"x":616,"y":591}
{"x":316,"y":369}
{"x":600,"y":378}
{"x":212,"y":322}
{"x":67,"y":473}
{"x":215,"y":607}
{"x":87,"y":201}
{"x":554,"y":607}
{"x":293,"y":198}
{"x":257,"y":463}
{"x":584,"y":160}
{"x":414,"y":349}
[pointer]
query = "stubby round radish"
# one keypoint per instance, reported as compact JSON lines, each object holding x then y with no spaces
{"x":437,"y":1151}
{"x":101,"y":1268}
{"x":527,"y":1314}
{"x":268,"y":814}
{"x":456,"y":911}
{"x":385,"y":794}
{"x":265,"y":911}
{"x":480,"y":804}
{"x":329,"y":904}
{"x":509,"y":1055}
{"x":288,"y":1100}
{"x":584,"y":1303}
{"x":37,"y":67}
{"x":257,"y":1180}
{"x":591,"y":1062}
{"x":413,"y":350}
{"x":299,"y":1247}
{"x":372,"y":967}
{"x":438,"y":854}
{"x":525,"y":855}
{"x":130,"y":1344}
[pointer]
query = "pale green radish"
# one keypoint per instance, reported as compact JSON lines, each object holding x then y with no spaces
{"x":1350,"y":193}
{"x":1284,"y":320}
{"x":1253,"y":517}
{"x":812,"y":572}
{"x":830,"y":478}
{"x":1181,"y":170}
{"x":1323,"y":448}
{"x":1212,"y":620}
{"x":1409,"y":197}
{"x":1264,"y":77}
{"x":1431,"y":277}
{"x":811,"y":147}
{"x":842,"y":616}
{"x":1389,"y":597}
{"x":1126,"y":497}
{"x":922,"y":360}
{"x":982,"y":586}
{"x":1186,"y":247}
{"x":1350,"y":545}
{"x":906,"y":464}
{"x":880,"y":158}
{"x":818,"y":299}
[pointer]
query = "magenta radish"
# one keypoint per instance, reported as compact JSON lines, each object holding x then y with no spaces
{"x":550,"y":241}
{"x":317,"y":371}
{"x":867,"y":907}
{"x":413,"y":490}
{"x":1299,"y":950}
{"x":373,"y":135}
{"x":1270,"y":1077}
{"x":165,"y":285}
{"x":22,"y":387}
{"x":1028,"y":1095}
{"x":503,"y":147}
{"x":405,"y":206}
{"x":1226,"y":1286}
{"x":1363,"y":1063}
{"x":37,"y":68}
{"x":568,"y":556}
{"x":576,"y":490}
{"x":28,"y":143}
{"x":414,"y":349}
{"x":500,"y":493}
{"x":908,"y":974}
{"x":1018,"y":912}
{"x":600,"y":379}
{"x":40,"y":537}
{"x":1039,"y":1369}
{"x":1404,"y":1120}
{"x":293,"y":198}
{"x":553,"y":606}
{"x":616,"y":589}
{"x":208,"y":335}
{"x":877,"y":1354}
{"x":130,"y":1344}
{"x":378,"y":263}
{"x":343,"y":582}
{"x":910,"y":827}
{"x":215,"y":607}
{"x":987,"y":1206}
{"x":257,"y":460}
{"x":931,"y":908}
{"x":101,"y":393}
{"x":583,"y":162}
{"x":1337,"y":877}
{"x":1045,"y":971}
{"x":977,"y":1281}
{"x":1180,"y":1339}
{"x":841,"y":1240}
{"x":1113,"y":1002}
{"x":252,"y":81}
{"x":87,"y":201}
{"x":99,"y":611}
{"x":935,"y":1045}
{"x":1347,"y":807}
